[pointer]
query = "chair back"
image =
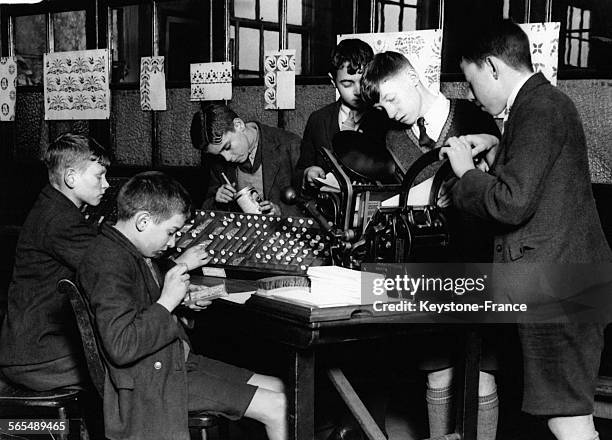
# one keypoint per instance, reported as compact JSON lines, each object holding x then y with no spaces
{"x":83,"y":314}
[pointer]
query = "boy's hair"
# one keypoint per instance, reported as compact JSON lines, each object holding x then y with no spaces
{"x":355,"y":52}
{"x":155,"y":192}
{"x":210,"y":123}
{"x":72,"y":151}
{"x":504,"y":40}
{"x":383,"y":66}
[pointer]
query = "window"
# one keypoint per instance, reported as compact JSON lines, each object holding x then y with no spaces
{"x":396,"y":15}
{"x":130,"y":39}
{"x":69,"y":31}
{"x":184,"y":36}
{"x":312,"y":26}
{"x":586,"y":39}
{"x":30,"y":44}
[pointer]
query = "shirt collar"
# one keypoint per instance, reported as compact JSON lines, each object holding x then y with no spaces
{"x":343,"y":114}
{"x":435,"y":117}
{"x":519,"y":85}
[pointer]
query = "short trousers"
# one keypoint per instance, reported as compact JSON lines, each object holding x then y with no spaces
{"x":441,"y":349}
{"x":67,"y":371}
{"x":560,"y":367}
{"x":217,"y":387}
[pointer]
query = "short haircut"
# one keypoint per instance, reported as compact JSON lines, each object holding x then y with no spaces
{"x":383,"y":66}
{"x":502,"y":39}
{"x":210,"y":123}
{"x":72,"y":151}
{"x":355,"y":52}
{"x":155,"y":192}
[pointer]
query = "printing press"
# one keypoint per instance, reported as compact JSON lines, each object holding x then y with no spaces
{"x":347,"y":227}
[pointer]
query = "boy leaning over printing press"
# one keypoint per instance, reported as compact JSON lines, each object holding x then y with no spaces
{"x":391,"y":83}
{"x":154,"y":378}
{"x":347,"y":62}
{"x":245,"y":154}
{"x":40,"y":346}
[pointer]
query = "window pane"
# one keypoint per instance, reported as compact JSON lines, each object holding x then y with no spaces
{"x":248,"y":56}
{"x":244,"y":8}
{"x":30,"y":44}
{"x":294,"y":12}
{"x":269,"y":10}
{"x":184,"y":36}
{"x":295,"y":42}
{"x":270,"y":40}
{"x":69,"y":31}
{"x":391,"y":18}
{"x":130,"y":40}
{"x":410,"y":19}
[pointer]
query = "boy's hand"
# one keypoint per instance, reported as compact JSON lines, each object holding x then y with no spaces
{"x":225,"y":193}
{"x":194,"y":257}
{"x":459,"y":153}
{"x":310,"y":174}
{"x":269,"y":208}
{"x":483,"y":142}
{"x":176,"y":283}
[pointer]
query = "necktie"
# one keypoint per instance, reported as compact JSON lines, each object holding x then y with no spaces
{"x":424,"y":139}
{"x":349,"y":122}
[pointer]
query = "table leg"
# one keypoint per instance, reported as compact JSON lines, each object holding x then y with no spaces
{"x":467,"y":389}
{"x":301,"y":394}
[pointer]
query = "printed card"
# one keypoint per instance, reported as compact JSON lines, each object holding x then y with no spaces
{"x":8,"y":88}
{"x":422,"y":48}
{"x":152,"y":83}
{"x":76,"y":85}
{"x":279,"y":79}
{"x":211,"y":81}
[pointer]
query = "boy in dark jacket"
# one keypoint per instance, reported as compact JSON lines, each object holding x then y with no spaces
{"x":153,"y":378}
{"x":40,"y":347}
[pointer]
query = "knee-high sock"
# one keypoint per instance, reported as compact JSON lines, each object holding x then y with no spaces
{"x":488,"y":409}
{"x":440,"y":410}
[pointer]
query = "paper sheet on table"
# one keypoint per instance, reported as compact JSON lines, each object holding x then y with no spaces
{"x":329,"y":184}
{"x":418,"y":195}
{"x":238,"y":298}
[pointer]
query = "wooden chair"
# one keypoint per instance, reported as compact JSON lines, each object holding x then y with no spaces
{"x":61,"y":404}
{"x":199,"y":421}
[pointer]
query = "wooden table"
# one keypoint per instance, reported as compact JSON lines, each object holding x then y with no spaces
{"x":303,"y":330}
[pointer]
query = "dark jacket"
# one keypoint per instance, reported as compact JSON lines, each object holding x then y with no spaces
{"x":320,"y":129}
{"x":39,"y":325}
{"x":538,"y":191}
{"x":145,"y":391}
{"x":280,"y":150}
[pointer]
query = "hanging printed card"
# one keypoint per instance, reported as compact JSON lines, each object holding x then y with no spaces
{"x":544,"y":41}
{"x":279,"y":79}
{"x":211,"y":81}
{"x":152,"y":83}
{"x":422,"y":48}
{"x":76,"y":85}
{"x":8,"y":88}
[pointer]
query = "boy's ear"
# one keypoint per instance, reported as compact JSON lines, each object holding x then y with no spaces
{"x":492,"y":66}
{"x":239,"y":124}
{"x":70,"y":177}
{"x":141,"y":220}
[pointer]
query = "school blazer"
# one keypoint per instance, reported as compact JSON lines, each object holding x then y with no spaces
{"x":39,"y":325}
{"x":538,"y":191}
{"x":145,"y":389}
{"x":280,"y":150}
{"x":320,"y":129}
